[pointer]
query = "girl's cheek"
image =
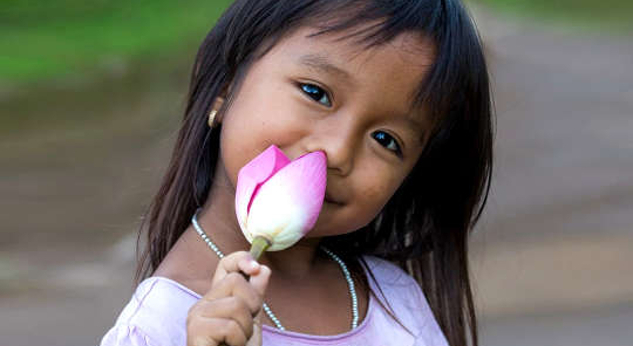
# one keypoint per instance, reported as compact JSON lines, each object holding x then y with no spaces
{"x":286,"y":126}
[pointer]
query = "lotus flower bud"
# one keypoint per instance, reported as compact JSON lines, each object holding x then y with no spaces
{"x":277,"y":201}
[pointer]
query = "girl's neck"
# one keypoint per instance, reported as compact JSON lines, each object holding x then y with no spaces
{"x":219,"y":221}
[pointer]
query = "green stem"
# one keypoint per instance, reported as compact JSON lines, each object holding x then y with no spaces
{"x":258,"y":246}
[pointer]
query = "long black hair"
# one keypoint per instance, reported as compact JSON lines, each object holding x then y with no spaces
{"x":425,"y":225}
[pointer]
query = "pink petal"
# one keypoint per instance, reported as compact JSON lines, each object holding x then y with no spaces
{"x":254,"y":173}
{"x":288,"y":203}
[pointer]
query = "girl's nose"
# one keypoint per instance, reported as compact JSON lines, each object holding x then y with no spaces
{"x":339,"y":142}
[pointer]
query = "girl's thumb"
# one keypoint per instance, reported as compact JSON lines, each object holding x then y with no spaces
{"x":260,"y":280}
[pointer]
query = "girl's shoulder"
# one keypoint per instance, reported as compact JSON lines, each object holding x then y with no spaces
{"x":155,"y":315}
{"x":388,"y":273}
{"x":402,"y":295}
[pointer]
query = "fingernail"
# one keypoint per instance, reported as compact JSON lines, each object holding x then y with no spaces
{"x":253,"y":264}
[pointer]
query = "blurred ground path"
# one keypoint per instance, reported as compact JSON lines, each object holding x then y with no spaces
{"x":608,"y":326}
{"x":551,"y":257}
{"x":75,"y":180}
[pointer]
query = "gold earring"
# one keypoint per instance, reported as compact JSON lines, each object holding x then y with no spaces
{"x":211,"y":117}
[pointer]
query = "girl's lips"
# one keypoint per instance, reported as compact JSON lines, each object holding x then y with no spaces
{"x":331,"y":200}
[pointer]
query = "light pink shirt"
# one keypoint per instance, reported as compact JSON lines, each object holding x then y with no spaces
{"x":157,"y":313}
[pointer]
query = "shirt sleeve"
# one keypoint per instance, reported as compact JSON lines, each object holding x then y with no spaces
{"x":127,"y":335}
{"x":409,"y":302}
{"x":156,"y":315}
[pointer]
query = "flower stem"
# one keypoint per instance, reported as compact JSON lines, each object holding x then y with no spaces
{"x":258,"y":246}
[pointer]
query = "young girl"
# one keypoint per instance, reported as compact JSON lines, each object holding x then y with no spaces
{"x":396,"y":94}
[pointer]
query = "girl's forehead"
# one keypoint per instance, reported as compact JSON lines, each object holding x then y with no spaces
{"x":409,"y":47}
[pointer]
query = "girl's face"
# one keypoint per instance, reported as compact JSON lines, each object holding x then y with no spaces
{"x":353,"y":103}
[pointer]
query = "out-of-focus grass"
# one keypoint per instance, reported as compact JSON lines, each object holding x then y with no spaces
{"x":44,"y":39}
{"x":613,"y":16}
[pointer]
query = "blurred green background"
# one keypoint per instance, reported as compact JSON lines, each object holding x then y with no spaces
{"x":613,"y":16}
{"x":42,"y":40}
{"x":92,"y":92}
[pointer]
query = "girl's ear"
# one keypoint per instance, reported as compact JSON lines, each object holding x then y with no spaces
{"x":217,"y":106}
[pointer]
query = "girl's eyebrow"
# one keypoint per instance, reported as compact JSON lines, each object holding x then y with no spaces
{"x":419,"y":126}
{"x":322,"y":63}
{"x":415,"y":126}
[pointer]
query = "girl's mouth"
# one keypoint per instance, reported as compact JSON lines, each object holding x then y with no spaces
{"x":330,"y":200}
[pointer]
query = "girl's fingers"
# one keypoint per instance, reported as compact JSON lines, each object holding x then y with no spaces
{"x":235,"y":285}
{"x":224,"y":315}
{"x":211,"y":331}
{"x":236,"y":262}
{"x":256,"y":338}
{"x":260,"y":281}
{"x":228,"y":308}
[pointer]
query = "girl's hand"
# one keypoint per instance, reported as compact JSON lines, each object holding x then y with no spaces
{"x":230,"y":313}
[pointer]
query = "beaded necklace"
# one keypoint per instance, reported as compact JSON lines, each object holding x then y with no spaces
{"x":346,"y":273}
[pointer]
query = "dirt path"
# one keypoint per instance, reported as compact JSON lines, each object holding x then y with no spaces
{"x":552,"y":256}
{"x":553,"y":248}
{"x":561,"y":209}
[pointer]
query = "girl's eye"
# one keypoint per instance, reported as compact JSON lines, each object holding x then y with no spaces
{"x":317,"y":94}
{"x":387,"y":141}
